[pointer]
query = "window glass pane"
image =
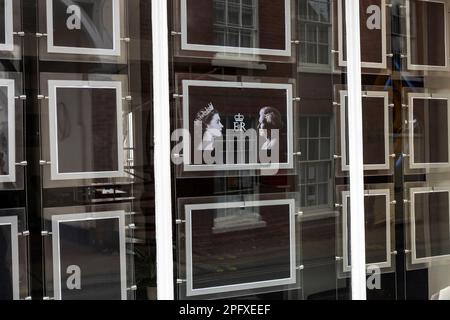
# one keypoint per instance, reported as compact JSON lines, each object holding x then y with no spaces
{"x":233,"y":15}
{"x":313,"y":127}
{"x":251,"y":99}
{"x":313,"y":149}
{"x":324,"y":149}
{"x":325,"y":127}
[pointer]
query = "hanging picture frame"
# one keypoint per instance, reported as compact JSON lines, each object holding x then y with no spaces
{"x":373,"y":33}
{"x":97,"y":259}
{"x":89,"y":113}
{"x":428,"y":115}
{"x":376,"y":141}
{"x":89,"y":27}
{"x":7,"y":131}
{"x":259,"y":115}
{"x":9,"y":258}
{"x":224,"y":226}
{"x":427,"y":32}
{"x":378,"y":224}
{"x":6,"y":25}
{"x":429,"y":224}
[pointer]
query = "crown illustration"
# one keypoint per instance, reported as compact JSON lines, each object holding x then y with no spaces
{"x":203,"y":113}
{"x":239,"y":117}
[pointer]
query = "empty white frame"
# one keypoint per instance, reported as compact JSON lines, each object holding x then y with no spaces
{"x":67,"y":219}
{"x":346,"y":232}
{"x":53,"y":87}
{"x":343,"y":124}
{"x":91,"y":31}
{"x":412,"y":25}
{"x":285,"y":89}
{"x":292,"y":279}
{"x":287,"y":51}
{"x":413,"y":122}
{"x":12,"y":223}
{"x":8,"y":127}
{"x":383,"y":31}
{"x":445,"y":191}
{"x":8,"y":43}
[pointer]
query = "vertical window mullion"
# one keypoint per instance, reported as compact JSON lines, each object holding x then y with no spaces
{"x":357,"y":224}
{"x":162,"y":160}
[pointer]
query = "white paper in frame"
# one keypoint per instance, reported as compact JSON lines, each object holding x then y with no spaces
{"x":185,"y":45}
{"x":8,"y":45}
{"x":409,"y":35}
{"x":413,"y":215}
{"x":11,"y":130}
{"x":287,"y":88}
{"x":345,"y":231}
{"x":292,"y":279}
{"x":413,"y":164}
{"x":383,"y":44}
{"x":115,"y":51}
{"x":12,"y":222}
{"x":343,"y":129}
{"x":56,"y":173}
{"x":57,"y":220}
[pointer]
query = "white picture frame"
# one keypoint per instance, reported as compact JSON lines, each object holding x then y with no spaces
{"x":115,"y":51}
{"x":343,"y":129}
{"x":417,"y":67}
{"x":9,"y":29}
{"x":12,"y":221}
{"x":190,"y":291}
{"x":287,"y":52}
{"x":11,"y":108}
{"x":345,"y":240}
{"x":53,"y":85}
{"x":412,"y":193}
{"x":189,"y":167}
{"x":341,"y":28}
{"x":87,"y":216}
{"x":411,"y":121}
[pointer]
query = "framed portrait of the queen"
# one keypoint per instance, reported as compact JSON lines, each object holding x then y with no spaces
{"x":236,"y":125}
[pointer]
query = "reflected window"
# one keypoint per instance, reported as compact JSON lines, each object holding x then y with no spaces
{"x":315,"y":32}
{"x":235,"y":23}
{"x":316,"y":162}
